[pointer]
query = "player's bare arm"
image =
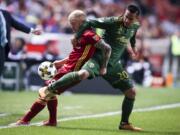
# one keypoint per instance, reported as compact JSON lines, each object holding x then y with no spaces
{"x":59,"y":63}
{"x":106,"y":52}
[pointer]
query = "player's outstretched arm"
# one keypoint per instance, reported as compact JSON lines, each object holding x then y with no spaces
{"x":21,"y":26}
{"x":102,"y":23}
{"x":106,"y":53}
{"x":59,"y":63}
{"x":36,"y":31}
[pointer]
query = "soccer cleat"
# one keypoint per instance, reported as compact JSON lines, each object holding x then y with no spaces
{"x":47,"y":123}
{"x":20,"y":123}
{"x":128,"y":126}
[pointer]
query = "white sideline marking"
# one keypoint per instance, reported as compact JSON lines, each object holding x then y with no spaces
{"x":153,"y":108}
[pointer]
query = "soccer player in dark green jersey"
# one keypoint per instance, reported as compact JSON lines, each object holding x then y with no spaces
{"x":118,"y":32}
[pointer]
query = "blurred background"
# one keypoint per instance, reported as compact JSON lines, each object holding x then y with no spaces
{"x":157,"y":40}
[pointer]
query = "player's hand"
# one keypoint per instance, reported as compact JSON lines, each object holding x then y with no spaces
{"x":134,"y":54}
{"x":103,"y":71}
{"x":74,"y":41}
{"x":36,"y":31}
{"x":58,"y":63}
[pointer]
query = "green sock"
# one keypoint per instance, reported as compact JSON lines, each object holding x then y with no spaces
{"x":127,"y":107}
{"x":65,"y":81}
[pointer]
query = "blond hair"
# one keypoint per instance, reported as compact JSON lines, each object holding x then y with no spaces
{"x":77,"y":15}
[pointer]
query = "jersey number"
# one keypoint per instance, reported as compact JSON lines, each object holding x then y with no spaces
{"x":123,"y":75}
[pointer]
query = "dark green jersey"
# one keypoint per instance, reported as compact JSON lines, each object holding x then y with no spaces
{"x":115,"y":34}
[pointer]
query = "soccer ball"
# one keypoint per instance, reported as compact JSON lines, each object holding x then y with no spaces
{"x":47,"y":70}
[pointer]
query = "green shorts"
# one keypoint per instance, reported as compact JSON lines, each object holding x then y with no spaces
{"x":116,"y":76}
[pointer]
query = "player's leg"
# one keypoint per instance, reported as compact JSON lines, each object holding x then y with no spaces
{"x":52,"y":108}
{"x":36,"y":107}
{"x":69,"y":79}
{"x":52,"y":102}
{"x":119,"y":79}
{"x":45,"y":97}
{"x":90,"y":69}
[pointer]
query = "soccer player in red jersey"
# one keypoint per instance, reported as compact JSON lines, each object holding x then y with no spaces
{"x":83,"y":50}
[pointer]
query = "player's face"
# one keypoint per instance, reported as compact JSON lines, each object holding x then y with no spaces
{"x":75,"y":24}
{"x":129,"y":18}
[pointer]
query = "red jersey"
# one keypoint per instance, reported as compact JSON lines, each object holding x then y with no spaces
{"x":82,"y":52}
{"x":79,"y":55}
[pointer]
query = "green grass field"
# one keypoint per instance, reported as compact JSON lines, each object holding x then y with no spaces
{"x":158,"y":122}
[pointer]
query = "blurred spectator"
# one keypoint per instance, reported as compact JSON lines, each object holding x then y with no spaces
{"x":52,"y":14}
{"x":140,"y":71}
{"x":52,"y":51}
{"x":17,"y":51}
{"x":160,"y":18}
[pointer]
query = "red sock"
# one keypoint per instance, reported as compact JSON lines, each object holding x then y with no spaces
{"x":52,"y":108}
{"x":34,"y":110}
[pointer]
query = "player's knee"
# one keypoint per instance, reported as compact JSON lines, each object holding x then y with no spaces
{"x":130,"y":93}
{"x":42,"y":100}
{"x":44,"y":94}
{"x":83,"y":74}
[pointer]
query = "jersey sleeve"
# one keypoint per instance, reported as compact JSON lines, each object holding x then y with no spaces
{"x":133,"y":40}
{"x":91,"y":38}
{"x":136,"y":25}
{"x":16,"y":24}
{"x":102,"y":23}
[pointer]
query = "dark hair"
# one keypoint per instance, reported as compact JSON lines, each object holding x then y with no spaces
{"x":134,"y":9}
{"x":21,"y":40}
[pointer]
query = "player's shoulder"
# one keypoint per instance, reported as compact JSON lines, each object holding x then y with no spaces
{"x":136,"y":25}
{"x":108,"y":20}
{"x":112,"y":19}
{"x":89,"y":33}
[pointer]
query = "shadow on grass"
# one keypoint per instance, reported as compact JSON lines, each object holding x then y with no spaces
{"x":88,"y":129}
{"x":124,"y":131}
{"x":162,"y":132}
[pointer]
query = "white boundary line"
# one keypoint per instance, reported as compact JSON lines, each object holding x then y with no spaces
{"x":147,"y":109}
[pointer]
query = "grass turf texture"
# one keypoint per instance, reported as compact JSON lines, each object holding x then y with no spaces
{"x":160,"y":122}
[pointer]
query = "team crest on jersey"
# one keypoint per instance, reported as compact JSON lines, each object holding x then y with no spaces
{"x":91,"y":65}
